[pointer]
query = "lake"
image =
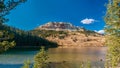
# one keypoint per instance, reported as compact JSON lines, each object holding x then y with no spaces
{"x":96,"y":55}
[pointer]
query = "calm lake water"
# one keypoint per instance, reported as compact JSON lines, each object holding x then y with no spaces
{"x":15,"y":59}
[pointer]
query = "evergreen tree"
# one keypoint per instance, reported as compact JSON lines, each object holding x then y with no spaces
{"x":41,"y":59}
{"x":26,"y":64}
{"x":5,"y":7}
{"x":88,"y":65}
{"x":112,"y":31}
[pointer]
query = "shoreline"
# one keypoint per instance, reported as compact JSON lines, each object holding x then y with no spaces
{"x":78,"y":46}
{"x":37,"y":48}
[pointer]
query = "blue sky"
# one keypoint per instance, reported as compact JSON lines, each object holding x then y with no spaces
{"x":84,"y":13}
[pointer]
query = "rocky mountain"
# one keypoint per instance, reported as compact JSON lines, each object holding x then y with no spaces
{"x":67,"y":35}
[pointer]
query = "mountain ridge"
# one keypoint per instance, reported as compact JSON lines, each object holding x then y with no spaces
{"x":59,"y":26}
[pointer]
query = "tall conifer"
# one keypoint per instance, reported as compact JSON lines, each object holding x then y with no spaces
{"x":112,"y":30}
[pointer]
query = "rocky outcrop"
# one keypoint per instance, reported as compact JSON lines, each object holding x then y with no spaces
{"x":59,"y":26}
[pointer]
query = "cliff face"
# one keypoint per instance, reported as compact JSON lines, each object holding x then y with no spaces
{"x":76,"y":39}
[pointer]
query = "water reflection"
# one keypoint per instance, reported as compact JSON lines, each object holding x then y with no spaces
{"x":75,"y":55}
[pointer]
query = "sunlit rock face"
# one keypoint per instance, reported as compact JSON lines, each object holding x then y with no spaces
{"x":59,"y":26}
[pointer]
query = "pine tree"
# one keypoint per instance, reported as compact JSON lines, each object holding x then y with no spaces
{"x":41,"y":59}
{"x":5,"y":38}
{"x":26,"y":64}
{"x":88,"y":65}
{"x":112,"y":31}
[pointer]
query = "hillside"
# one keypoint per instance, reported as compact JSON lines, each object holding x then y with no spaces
{"x":69,"y":38}
{"x":24,"y":39}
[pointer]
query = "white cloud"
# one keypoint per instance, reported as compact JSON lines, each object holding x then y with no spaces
{"x":88,"y":21}
{"x":100,"y":31}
